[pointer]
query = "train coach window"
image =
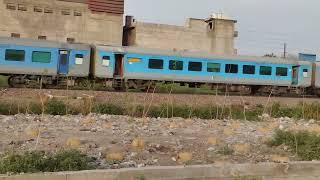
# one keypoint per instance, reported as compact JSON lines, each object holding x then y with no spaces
{"x":249,"y":69}
{"x":231,"y":68}
{"x":213,"y":67}
{"x":265,"y":70}
{"x":79,"y":59}
{"x":14,"y":55}
{"x":281,"y":71}
{"x":155,"y":64}
{"x":176,"y":65}
{"x":42,"y":57}
{"x":195,"y":66}
{"x":106,"y":61}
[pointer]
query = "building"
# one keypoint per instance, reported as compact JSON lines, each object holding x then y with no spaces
{"x":86,"y":21}
{"x":213,"y":35}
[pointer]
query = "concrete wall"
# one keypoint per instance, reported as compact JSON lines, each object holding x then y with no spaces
{"x":195,"y":36}
{"x":263,"y":171}
{"x":89,"y":27}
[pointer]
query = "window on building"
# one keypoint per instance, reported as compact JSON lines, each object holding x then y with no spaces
{"x":22,"y":7}
{"x":15,"y":35}
{"x":48,"y":11}
{"x":42,"y":37}
{"x":176,"y":65}
{"x":155,"y":64}
{"x":71,"y":40}
{"x":41,"y":57}
{"x":249,"y":69}
{"x":14,"y":55}
{"x":195,"y":66}
{"x":265,"y":70}
{"x":281,"y":71}
{"x":231,"y":68}
{"x":65,"y":12}
{"x":77,"y":13}
{"x":79,"y":59}
{"x":106,"y":61}
{"x":11,"y":6}
{"x":213,"y":67}
{"x":37,"y":9}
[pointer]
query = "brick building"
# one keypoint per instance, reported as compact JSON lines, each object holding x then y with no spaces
{"x":87,"y":21}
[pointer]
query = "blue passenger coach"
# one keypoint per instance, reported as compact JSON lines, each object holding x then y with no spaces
{"x":143,"y":67}
{"x":29,"y":61}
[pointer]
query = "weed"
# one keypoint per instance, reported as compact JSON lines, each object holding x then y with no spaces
{"x":38,"y":161}
{"x":109,"y":109}
{"x":56,"y":107}
{"x":226,"y":150}
{"x":304,"y":144}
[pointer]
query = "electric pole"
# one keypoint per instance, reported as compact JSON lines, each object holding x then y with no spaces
{"x":285,"y":50}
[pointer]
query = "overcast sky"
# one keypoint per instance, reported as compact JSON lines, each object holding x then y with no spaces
{"x":263,"y":25}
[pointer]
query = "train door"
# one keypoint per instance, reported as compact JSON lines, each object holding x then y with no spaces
{"x":119,"y":67}
{"x":295,"y":75}
{"x":63,"y":62}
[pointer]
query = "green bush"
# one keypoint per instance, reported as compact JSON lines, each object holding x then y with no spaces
{"x":109,"y":109}
{"x":71,"y":160}
{"x":305,"y":144}
{"x":56,"y":107}
{"x":36,"y":161}
{"x":27,"y":162}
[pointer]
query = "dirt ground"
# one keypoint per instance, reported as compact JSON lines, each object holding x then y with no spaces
{"x":122,"y":141}
{"x":157,"y":98}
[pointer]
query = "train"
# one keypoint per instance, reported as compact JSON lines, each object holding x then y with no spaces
{"x":35,"y":63}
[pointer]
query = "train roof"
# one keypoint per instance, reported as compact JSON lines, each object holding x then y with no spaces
{"x":42,"y":43}
{"x":209,"y":56}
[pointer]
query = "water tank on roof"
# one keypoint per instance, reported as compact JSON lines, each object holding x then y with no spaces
{"x":220,"y":16}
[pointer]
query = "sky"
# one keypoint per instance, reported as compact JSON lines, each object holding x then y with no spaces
{"x":264,"y":25}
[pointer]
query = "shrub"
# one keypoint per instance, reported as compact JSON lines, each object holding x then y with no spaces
{"x":226,"y":150}
{"x":71,"y":160}
{"x":109,"y":109}
{"x":36,"y":161}
{"x":26,"y":162}
{"x":56,"y":107}
{"x":305,"y":144}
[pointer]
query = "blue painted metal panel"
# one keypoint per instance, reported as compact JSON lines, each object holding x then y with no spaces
{"x":142,"y":66}
{"x":63,"y":62}
{"x":28,"y":56}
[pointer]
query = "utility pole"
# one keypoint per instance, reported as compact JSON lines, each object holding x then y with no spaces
{"x":285,"y":50}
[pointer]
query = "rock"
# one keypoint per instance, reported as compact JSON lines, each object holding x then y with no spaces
{"x":211,"y":149}
{"x":174,"y":159}
{"x":312,"y":121}
{"x":129,"y":164}
{"x":141,"y":165}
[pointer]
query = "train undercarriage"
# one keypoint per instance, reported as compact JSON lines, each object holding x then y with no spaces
{"x":63,"y":82}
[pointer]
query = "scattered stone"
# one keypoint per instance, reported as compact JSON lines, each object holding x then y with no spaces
{"x":129,"y":164}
